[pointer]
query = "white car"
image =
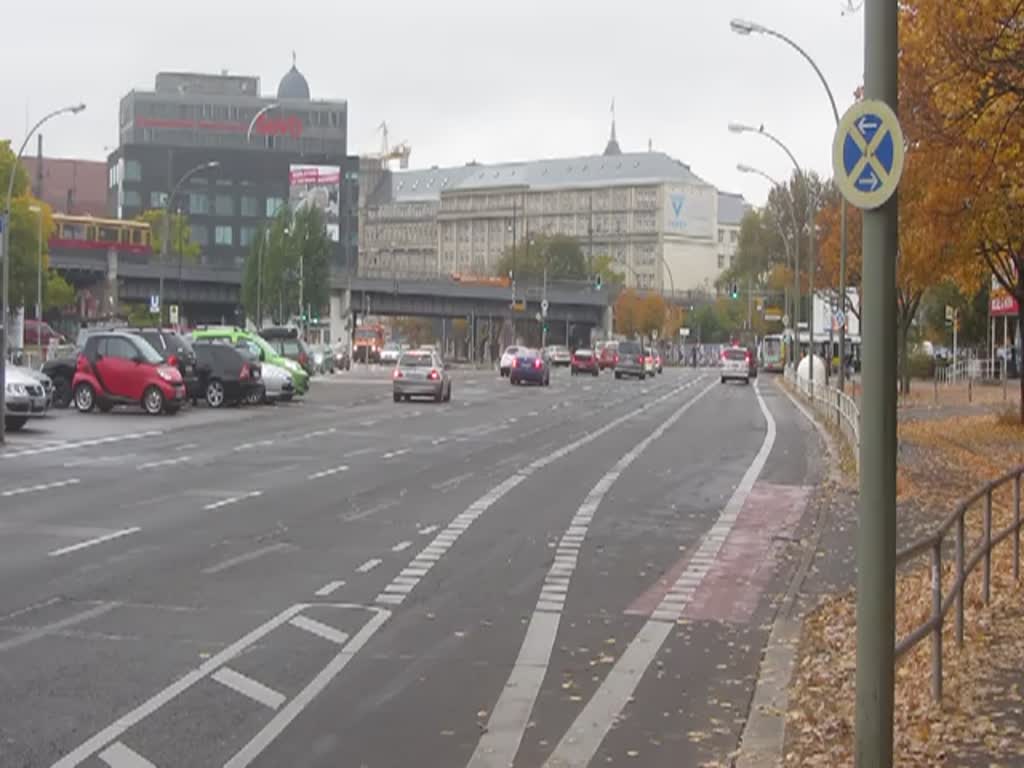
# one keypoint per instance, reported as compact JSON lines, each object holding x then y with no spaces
{"x":559,"y":354}
{"x":505,"y":363}
{"x":277,"y":383}
{"x":390,"y":353}
{"x":736,"y":364}
{"x":25,"y":398}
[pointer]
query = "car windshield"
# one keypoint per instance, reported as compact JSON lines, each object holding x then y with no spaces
{"x":511,"y":350}
{"x":416,"y":360}
{"x":630,"y":348}
{"x":735,"y":354}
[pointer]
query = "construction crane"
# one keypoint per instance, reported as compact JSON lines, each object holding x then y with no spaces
{"x":400,"y":151}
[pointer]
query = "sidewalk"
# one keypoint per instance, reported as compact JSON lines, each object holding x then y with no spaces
{"x":979,"y":723}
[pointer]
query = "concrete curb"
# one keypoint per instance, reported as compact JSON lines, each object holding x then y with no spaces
{"x":763,"y":739}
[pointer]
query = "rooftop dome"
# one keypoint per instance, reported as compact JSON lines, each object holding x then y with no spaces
{"x":293,"y":85}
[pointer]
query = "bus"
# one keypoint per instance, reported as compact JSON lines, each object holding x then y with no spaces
{"x":773,"y":353}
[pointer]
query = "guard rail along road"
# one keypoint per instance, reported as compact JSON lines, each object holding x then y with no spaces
{"x":839,"y":408}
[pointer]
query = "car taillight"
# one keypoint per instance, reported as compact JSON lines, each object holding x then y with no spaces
{"x":434,"y":375}
{"x":538,"y":364}
{"x":397,"y":374}
{"x":515,"y":362}
{"x":616,"y":359}
{"x":303,"y":358}
{"x":640,"y":359}
{"x":748,"y":357}
{"x":173,"y":360}
{"x":244,"y":373}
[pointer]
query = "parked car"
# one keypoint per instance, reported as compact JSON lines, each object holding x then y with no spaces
{"x":736,"y":364}
{"x":300,"y":378}
{"x":24,"y":397}
{"x":40,"y":333}
{"x":507,"y":357}
{"x":287,"y":344}
{"x":420,"y":373}
{"x":342,"y":358}
{"x":530,"y":365}
{"x":277,"y":384}
{"x":124,"y":369}
{"x":584,"y":361}
{"x":227,"y":376}
{"x":631,"y":360}
{"x":607,"y":355}
{"x":176,"y":351}
{"x":42,"y":378}
{"x":61,"y":371}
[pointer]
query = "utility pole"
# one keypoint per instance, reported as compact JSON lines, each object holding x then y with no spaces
{"x":876,"y":534}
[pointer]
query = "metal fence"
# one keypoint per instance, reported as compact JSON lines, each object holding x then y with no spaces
{"x":838,"y":407}
{"x":964,"y":564}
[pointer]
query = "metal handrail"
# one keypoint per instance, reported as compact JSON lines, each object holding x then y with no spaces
{"x":964,"y":566}
{"x":836,"y":403}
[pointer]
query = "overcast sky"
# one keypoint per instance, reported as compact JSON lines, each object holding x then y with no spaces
{"x":463,"y":80}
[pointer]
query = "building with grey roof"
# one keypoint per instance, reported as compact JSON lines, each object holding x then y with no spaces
{"x":732,"y":207}
{"x":657,"y":219}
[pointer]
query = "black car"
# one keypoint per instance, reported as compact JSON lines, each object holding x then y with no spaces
{"x":177,"y":351}
{"x":227,"y":375}
{"x":286,"y":343}
{"x":61,"y":371}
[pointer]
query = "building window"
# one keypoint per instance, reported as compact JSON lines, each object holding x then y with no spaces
{"x":721,"y":261}
{"x":222,"y":235}
{"x":132,"y":170}
{"x":734,"y":236}
{"x":224,"y":205}
{"x":198,"y":203}
{"x":721,"y":235}
{"x":274,"y":204}
{"x":250,"y":206}
{"x":157,"y":199}
{"x":246,"y":236}
{"x":199,"y":234}
{"x":132,"y":198}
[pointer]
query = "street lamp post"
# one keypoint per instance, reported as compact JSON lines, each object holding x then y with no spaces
{"x":746,"y":27}
{"x":743,"y":168}
{"x":257,"y":116}
{"x":5,"y":242}
{"x":39,"y":276}
{"x":166,"y":228}
{"x":741,"y":128}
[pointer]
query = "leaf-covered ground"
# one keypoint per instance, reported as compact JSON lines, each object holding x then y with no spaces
{"x":942,"y":459}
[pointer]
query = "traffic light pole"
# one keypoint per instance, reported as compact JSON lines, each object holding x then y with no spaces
{"x":876,"y":533}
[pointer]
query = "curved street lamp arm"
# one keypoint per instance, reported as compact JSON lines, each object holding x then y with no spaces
{"x":792,"y":44}
{"x":28,"y":137}
{"x":257,"y":116}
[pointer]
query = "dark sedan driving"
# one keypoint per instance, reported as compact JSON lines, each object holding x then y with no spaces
{"x":530,"y":365}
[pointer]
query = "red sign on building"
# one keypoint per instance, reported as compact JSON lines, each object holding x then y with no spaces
{"x":1001,"y":303}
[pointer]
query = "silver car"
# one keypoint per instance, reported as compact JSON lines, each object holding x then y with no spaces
{"x":25,"y":397}
{"x":736,"y":364}
{"x":632,"y":360}
{"x":420,"y":373}
{"x":277,"y":384}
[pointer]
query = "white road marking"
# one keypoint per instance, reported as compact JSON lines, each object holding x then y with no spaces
{"x":94,"y":542}
{"x":369,"y":565}
{"x":328,"y":472}
{"x":320,"y":629}
{"x":451,"y":482}
{"x":164,"y":463}
{"x":318,"y":433}
{"x":246,"y":686}
{"x":249,"y":446}
{"x":280,"y":721}
{"x":433,"y":552}
{"x":117,"y":755}
{"x":401,"y":546}
{"x":584,"y":737}
{"x":439,"y":441}
{"x":232,"y":562}
{"x":56,"y":626}
{"x":187,"y":446}
{"x":232,"y":500}
{"x":358,"y":452}
{"x":393,"y":454}
{"x":329,"y":588}
{"x":511,"y":715}
{"x":67,"y":446}
{"x":427,"y":531}
{"x":41,"y":487}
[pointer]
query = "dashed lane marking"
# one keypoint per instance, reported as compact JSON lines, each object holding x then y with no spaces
{"x":329,"y":588}
{"x":117,"y":755}
{"x":369,"y":565}
{"x":93,"y":542}
{"x":250,"y":446}
{"x":246,"y":686}
{"x":56,"y":626}
{"x":581,"y":742}
{"x":328,"y":472}
{"x":71,"y":445}
{"x":427,"y":531}
{"x":400,"y":546}
{"x":510,"y":716}
{"x":38,"y":488}
{"x":164,"y":463}
{"x":246,"y":557}
{"x":232,"y":500}
{"x":320,"y":629}
{"x":394,"y":454}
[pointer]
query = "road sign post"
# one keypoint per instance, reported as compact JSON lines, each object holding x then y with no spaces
{"x":867,"y":159}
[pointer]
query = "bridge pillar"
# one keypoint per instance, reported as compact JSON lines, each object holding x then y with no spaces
{"x":113,"y":297}
{"x":607,"y":321}
{"x":340,"y":311}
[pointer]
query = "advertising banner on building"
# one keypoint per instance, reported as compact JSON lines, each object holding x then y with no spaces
{"x":690,"y":211}
{"x":318,"y":185}
{"x":1001,"y":303}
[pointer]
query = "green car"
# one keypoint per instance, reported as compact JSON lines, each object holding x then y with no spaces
{"x":234,"y":335}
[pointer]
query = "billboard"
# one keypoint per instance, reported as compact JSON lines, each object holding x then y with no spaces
{"x":1001,"y":303}
{"x":318,"y":185}
{"x":690,"y":211}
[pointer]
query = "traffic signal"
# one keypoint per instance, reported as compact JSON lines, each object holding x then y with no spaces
{"x":734,"y":291}
{"x":597,"y":282}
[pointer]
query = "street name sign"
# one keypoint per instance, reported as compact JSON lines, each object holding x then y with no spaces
{"x":867,"y":154}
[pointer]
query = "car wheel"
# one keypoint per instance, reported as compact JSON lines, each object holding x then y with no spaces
{"x":439,"y":397}
{"x":153,"y":401}
{"x":215,"y":393}
{"x":547,"y":381}
{"x":643,"y":376}
{"x":723,"y":379}
{"x":397,"y":397}
{"x":15,"y":423}
{"x":62,"y":395}
{"x":596,"y":374}
{"x":253,"y":398}
{"x":618,"y":375}
{"x":85,"y":398}
{"x":448,"y":394}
